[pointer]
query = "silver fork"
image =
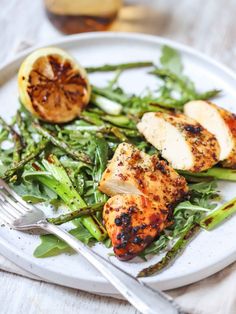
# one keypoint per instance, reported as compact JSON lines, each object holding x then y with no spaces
{"x":22,"y":216}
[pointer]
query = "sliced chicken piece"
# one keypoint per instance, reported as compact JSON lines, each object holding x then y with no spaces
{"x":132,"y":222}
{"x":132,"y":171}
{"x":183,"y":142}
{"x":219,"y":122}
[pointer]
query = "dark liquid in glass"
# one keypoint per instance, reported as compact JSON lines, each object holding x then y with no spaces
{"x":72,"y":24}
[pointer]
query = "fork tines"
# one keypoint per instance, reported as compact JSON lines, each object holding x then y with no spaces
{"x":12,"y":207}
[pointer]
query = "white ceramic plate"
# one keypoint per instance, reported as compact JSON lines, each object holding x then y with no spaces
{"x":210,"y":251}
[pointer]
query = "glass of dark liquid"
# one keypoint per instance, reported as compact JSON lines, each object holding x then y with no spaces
{"x":78,"y":16}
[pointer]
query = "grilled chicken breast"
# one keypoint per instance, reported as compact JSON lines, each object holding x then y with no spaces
{"x":183,"y":142}
{"x":131,"y":171}
{"x":132,"y":222}
{"x":144,"y":190}
{"x":219,"y":122}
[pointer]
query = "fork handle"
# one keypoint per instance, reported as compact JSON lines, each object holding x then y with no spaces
{"x":143,"y":298}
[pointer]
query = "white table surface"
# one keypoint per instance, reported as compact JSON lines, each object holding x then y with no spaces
{"x":208,"y":26}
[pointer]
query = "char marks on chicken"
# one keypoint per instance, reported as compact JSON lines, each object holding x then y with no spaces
{"x":144,"y":190}
{"x":182,"y":141}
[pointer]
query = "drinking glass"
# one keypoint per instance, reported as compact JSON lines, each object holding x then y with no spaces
{"x":77,"y":16}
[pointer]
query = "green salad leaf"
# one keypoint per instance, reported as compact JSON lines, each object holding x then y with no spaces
{"x":55,"y":178}
{"x":185,"y":215}
{"x":177,"y":88}
{"x":171,"y":60}
{"x":101,"y":159}
{"x":50,"y":245}
{"x":34,"y":192}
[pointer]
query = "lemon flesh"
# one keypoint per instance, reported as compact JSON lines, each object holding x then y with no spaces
{"x":53,"y":86}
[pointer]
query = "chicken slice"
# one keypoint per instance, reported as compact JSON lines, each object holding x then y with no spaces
{"x":132,"y":171}
{"x":219,"y":122}
{"x":183,"y":142}
{"x":132,"y":222}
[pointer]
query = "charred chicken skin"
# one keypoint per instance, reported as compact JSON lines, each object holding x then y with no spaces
{"x":132,"y":222}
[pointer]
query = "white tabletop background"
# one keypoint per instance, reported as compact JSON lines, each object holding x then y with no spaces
{"x":208,"y":26}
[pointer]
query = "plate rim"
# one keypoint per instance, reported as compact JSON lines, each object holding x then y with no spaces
{"x":160,"y":40}
{"x":165,"y":284}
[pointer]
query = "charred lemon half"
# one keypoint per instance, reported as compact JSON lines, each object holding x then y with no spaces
{"x":53,"y":86}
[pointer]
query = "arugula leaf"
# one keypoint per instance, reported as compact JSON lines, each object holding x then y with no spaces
{"x":101,"y":159}
{"x":185,"y":215}
{"x":204,"y":188}
{"x":188,"y":205}
{"x":51,"y":245}
{"x":204,"y":194}
{"x":77,"y":172}
{"x":6,"y":156}
{"x":156,"y":246}
{"x":177,"y":83}
{"x":177,"y":88}
{"x":34,"y":192}
{"x":171,"y":60}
